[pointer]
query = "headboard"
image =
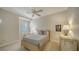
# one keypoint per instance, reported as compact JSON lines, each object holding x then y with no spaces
{"x":44,"y":32}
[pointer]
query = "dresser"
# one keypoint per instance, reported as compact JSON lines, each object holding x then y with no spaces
{"x":68,"y":43}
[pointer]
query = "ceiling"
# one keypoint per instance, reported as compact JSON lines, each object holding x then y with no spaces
{"x":27,"y":11}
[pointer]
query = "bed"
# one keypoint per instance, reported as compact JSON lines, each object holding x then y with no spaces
{"x":35,"y":42}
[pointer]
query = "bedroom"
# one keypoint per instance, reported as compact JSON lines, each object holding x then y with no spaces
{"x":49,"y":22}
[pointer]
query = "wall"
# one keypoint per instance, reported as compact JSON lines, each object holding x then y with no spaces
{"x":49,"y":22}
{"x":74,"y":22}
{"x":9,"y":28}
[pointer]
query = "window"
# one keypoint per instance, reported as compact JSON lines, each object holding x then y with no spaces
{"x":24,"y":26}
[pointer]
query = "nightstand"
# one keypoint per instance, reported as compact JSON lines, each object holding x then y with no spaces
{"x":68,"y":43}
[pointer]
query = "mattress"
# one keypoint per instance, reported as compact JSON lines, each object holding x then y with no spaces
{"x":38,"y":40}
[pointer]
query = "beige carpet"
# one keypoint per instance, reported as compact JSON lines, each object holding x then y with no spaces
{"x":50,"y":46}
{"x":13,"y":47}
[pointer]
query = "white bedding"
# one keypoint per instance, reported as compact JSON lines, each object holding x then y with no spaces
{"x":38,"y":40}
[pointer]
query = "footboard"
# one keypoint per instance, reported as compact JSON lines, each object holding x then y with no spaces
{"x":30,"y":46}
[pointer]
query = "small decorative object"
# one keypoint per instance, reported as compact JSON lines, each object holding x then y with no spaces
{"x":65,"y":30}
{"x":58,"y":28}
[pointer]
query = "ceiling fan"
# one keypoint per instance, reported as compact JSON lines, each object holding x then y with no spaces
{"x":36,"y":12}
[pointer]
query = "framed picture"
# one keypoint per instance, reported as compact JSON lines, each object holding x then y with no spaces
{"x":58,"y":28}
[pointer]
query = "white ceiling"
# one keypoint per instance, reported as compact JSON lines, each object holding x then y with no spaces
{"x":27,"y":11}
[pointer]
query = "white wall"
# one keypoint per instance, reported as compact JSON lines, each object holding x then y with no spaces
{"x":49,"y":22}
{"x":9,"y":28}
{"x":74,"y":22}
{"x":74,"y":18}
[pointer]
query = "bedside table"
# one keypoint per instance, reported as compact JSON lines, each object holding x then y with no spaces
{"x":68,"y":43}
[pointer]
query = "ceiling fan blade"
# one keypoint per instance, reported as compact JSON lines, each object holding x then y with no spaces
{"x":39,"y":11}
{"x":38,"y":14}
{"x":32,"y":15}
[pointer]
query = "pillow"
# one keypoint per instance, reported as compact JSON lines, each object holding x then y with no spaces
{"x":42,"y":32}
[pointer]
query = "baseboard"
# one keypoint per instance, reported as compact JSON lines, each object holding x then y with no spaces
{"x":8,"y":43}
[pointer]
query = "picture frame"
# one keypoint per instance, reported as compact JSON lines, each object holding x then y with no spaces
{"x":58,"y":28}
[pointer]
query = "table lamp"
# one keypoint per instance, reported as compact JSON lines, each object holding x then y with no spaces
{"x":65,"y":30}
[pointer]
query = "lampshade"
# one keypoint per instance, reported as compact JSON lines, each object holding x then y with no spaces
{"x":65,"y":29}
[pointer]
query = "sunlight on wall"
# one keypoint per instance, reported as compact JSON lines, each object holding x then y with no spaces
{"x":71,"y":33}
{"x":70,"y":22}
